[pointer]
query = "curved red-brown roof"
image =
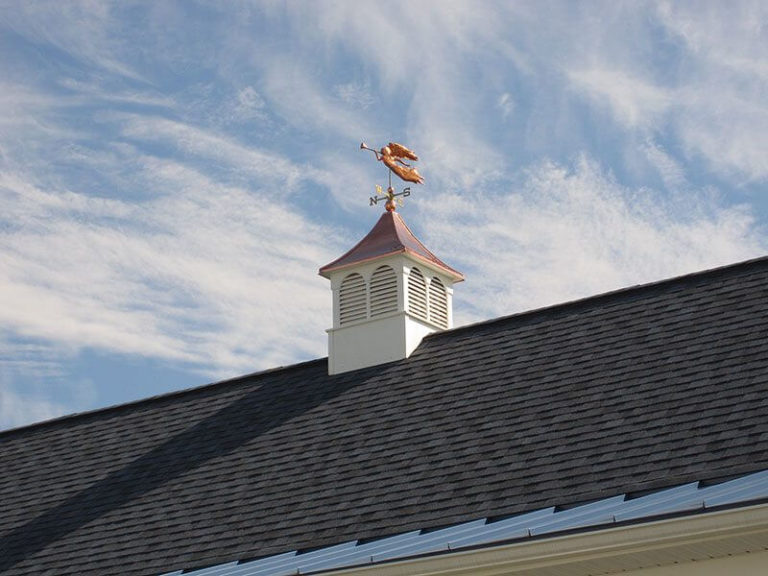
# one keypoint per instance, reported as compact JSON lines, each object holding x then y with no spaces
{"x":389,"y":236}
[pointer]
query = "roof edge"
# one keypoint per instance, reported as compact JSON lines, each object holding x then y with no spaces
{"x":154,"y":398}
{"x":455,"y":275}
{"x":611,"y":294}
{"x":525,"y":529}
{"x":605,"y":546}
{"x":762,"y":260}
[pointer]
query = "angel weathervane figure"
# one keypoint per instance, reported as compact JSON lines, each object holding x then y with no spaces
{"x":392,"y":155}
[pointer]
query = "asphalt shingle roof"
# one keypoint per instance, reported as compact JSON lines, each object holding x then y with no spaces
{"x":632,"y":391}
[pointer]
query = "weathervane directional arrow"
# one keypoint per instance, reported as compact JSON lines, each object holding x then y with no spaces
{"x":389,"y":197}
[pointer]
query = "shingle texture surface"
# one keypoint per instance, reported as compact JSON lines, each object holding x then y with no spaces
{"x":632,"y":391}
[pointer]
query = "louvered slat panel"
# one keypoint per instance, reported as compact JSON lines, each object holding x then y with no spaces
{"x":352,"y":305}
{"x":383,"y":291}
{"x":417,"y":294}
{"x":438,"y":303}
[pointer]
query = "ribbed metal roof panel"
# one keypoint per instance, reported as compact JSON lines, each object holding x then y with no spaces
{"x":479,"y":532}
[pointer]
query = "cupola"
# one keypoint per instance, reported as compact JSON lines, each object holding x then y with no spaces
{"x":389,"y":291}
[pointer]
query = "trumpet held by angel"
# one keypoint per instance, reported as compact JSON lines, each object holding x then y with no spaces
{"x":393,"y":155}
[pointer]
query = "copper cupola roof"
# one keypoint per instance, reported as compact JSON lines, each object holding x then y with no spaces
{"x":388,"y":237}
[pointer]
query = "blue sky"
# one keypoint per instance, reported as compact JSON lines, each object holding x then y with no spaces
{"x":173,"y":174}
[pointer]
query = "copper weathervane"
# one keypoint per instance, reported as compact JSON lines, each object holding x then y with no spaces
{"x":393,"y":155}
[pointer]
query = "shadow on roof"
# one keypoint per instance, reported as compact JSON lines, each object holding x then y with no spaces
{"x":241,"y":420}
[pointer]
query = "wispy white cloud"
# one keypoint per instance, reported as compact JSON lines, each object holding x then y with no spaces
{"x":302,"y":101}
{"x":731,"y":134}
{"x":37,"y":360}
{"x":206,"y":275}
{"x":250,"y":104}
{"x":170,"y":195}
{"x":356,"y":94}
{"x":633,"y":101}
{"x":18,"y":104}
{"x":710,"y":97}
{"x":91,"y":93}
{"x":200,"y":271}
{"x":420,"y":65}
{"x":506,"y":104}
{"x":33,"y":386}
{"x":670,"y":170}
{"x":732,"y":37}
{"x":269,"y":166}
{"x":726,"y":120}
{"x":85,"y":30}
{"x":27,"y":371}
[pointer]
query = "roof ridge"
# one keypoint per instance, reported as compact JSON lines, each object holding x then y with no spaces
{"x":156,"y":397}
{"x":611,"y":294}
{"x":554,"y":308}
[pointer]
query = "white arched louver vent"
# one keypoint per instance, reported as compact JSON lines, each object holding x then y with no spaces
{"x":438,"y":303}
{"x":417,"y":294}
{"x":352,"y":305}
{"x":383,"y":291}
